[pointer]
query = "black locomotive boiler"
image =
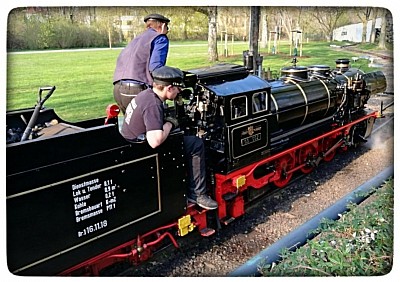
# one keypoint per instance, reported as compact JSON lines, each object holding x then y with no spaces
{"x":81,"y":198}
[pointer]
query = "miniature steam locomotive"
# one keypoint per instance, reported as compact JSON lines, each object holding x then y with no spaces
{"x":81,"y":198}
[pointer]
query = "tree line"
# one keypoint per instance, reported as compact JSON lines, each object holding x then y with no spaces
{"x":36,"y":28}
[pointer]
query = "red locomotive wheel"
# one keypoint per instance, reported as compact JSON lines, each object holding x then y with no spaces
{"x":327,"y":144}
{"x":282,"y":166}
{"x":305,"y":154}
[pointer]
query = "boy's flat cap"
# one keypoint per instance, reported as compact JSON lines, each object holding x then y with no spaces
{"x":168,"y":76}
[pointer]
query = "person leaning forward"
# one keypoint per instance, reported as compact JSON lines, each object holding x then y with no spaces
{"x":145,"y":53}
{"x":145,"y":116}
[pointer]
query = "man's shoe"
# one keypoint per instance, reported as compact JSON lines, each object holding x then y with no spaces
{"x":206,"y":202}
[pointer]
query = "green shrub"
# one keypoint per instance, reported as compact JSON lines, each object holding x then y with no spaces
{"x":36,"y":33}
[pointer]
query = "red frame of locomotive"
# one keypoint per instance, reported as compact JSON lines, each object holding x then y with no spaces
{"x":286,"y":163}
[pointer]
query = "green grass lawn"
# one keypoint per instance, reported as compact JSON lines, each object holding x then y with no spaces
{"x":83,"y":80}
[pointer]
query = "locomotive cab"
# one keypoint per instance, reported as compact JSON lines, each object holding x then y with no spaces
{"x":230,"y":110}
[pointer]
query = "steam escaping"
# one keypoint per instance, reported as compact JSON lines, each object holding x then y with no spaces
{"x":382,"y":135}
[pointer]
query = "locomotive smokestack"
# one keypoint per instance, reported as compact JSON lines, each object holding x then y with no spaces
{"x":342,"y":65}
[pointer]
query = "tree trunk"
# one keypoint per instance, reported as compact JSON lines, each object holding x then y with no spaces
{"x":364,"y":32}
{"x":185,"y":31}
{"x":382,"y":36}
{"x":109,"y":38}
{"x":254,"y":34}
{"x":264,"y":30}
{"x":373,"y":31}
{"x":212,"y":34}
{"x":372,"y":37}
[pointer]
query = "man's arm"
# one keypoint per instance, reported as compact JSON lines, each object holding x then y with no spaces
{"x":156,"y":137}
{"x":159,"y":52}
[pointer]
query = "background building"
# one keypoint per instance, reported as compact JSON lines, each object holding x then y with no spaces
{"x":353,"y":32}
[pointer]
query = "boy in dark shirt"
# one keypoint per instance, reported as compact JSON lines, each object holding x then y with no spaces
{"x":145,"y":116}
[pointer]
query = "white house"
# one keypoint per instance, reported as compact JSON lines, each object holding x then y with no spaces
{"x":353,"y":32}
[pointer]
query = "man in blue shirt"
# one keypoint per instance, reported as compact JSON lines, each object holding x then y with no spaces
{"x":147,"y":52}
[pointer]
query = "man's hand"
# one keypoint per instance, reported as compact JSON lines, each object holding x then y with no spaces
{"x":173,"y":121}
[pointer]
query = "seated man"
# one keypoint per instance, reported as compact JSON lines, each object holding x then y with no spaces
{"x":145,"y":115}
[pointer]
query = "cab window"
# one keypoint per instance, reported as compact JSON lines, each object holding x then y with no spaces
{"x":238,"y":107}
{"x":259,"y":102}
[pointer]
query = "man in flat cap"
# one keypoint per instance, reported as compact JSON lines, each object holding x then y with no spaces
{"x":145,"y":53}
{"x":145,"y":117}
